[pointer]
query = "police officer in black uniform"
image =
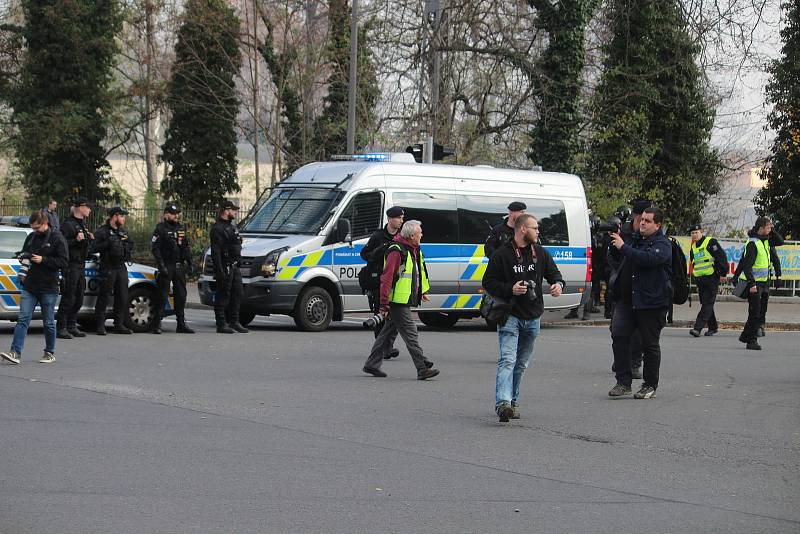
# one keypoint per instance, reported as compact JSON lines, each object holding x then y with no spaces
{"x":79,"y":240}
{"x":114,"y":245}
{"x":503,"y":232}
{"x":170,"y":247}
{"x":226,"y":252}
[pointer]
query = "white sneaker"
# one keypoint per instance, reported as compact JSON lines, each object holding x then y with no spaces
{"x":11,"y":356}
{"x":47,"y":357}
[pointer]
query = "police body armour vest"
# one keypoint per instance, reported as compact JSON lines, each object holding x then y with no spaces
{"x":702,"y":260}
{"x":761,"y":265}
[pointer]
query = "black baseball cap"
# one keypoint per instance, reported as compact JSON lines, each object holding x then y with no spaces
{"x":517,"y":206}
{"x":116,"y":210}
{"x":228,"y":205}
{"x":696,"y":226}
{"x":80,"y":201}
{"x":395,"y":211}
{"x":640,"y":205}
{"x":173,"y":208}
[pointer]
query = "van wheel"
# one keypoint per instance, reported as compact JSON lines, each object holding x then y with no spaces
{"x":142,"y":309}
{"x":314,"y":309}
{"x":246,"y":317}
{"x":438,"y":319}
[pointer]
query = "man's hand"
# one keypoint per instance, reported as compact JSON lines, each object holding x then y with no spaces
{"x":519,"y":288}
{"x":753,"y":289}
{"x":79,"y":237}
{"x":617,"y":240}
{"x":383,"y":314}
{"x":35,"y":258}
{"x":555,"y":290}
{"x":425,"y":297}
{"x":91,"y":235}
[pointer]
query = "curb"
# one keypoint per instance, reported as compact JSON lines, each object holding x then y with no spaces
{"x":723,"y":325}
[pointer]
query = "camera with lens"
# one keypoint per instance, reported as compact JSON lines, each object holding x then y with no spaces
{"x":531,"y":289}
{"x":24,"y":266}
{"x":373,"y":322}
{"x":611,"y":226}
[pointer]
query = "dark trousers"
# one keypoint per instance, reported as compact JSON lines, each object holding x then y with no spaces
{"x":114,"y":281}
{"x":764,"y":304}
{"x":71,"y":296}
{"x":399,"y":320}
{"x":707,"y":287}
{"x":374,"y":298}
{"x":597,"y":286}
{"x":649,"y":324}
{"x":756,"y":305}
{"x":228,"y":296}
{"x":176,"y":277}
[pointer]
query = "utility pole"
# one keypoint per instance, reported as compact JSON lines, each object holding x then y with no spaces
{"x":149,"y":111}
{"x":351,"y":86}
{"x":433,"y":12}
{"x":256,"y":120}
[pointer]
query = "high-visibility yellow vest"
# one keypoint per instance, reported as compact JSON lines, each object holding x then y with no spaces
{"x":401,"y":290}
{"x":702,"y":260}
{"x":761,"y":265}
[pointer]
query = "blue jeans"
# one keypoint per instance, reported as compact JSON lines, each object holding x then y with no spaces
{"x":27,"y":303}
{"x":516,"y":348}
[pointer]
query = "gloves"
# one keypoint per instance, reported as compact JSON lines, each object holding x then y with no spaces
{"x":189,"y":268}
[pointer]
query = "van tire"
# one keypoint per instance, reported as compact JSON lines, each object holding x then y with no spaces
{"x":313,"y":311}
{"x":438,"y":319}
{"x":142,"y":308}
{"x":246,"y":317}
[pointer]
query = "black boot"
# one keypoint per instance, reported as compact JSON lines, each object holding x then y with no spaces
{"x":222,"y":326}
{"x":573,"y":314}
{"x":156,"y":326}
{"x":101,"y":325}
{"x":183,"y":328}
{"x":236,"y":325}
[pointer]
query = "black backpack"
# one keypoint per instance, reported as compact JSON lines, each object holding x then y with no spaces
{"x":680,"y":278}
{"x":369,"y":277}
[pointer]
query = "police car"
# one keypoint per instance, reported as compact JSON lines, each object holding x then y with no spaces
{"x":143,"y":294}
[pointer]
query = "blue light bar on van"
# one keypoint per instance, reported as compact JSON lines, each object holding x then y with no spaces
{"x":379,"y":156}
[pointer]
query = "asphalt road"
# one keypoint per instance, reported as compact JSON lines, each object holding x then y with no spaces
{"x":279,"y":431}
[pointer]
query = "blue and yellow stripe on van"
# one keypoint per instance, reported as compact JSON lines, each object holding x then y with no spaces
{"x":8,"y":278}
{"x":292,"y":268}
{"x":462,"y":302}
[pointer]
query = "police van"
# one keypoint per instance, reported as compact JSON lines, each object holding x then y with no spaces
{"x":301,"y":244}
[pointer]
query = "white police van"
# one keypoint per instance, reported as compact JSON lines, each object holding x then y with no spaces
{"x":301,"y":244}
{"x":143,"y":293}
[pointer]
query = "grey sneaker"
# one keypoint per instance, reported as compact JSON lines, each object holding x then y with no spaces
{"x":47,"y":357}
{"x":646,"y":392}
{"x":504,"y":411}
{"x":11,"y":356}
{"x":515,"y":409}
{"x":619,"y":390}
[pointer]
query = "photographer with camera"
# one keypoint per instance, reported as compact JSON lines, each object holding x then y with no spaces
{"x":369,"y":278}
{"x":404,"y":284}
{"x":515,"y":273}
{"x":170,"y":248}
{"x":78,"y":239}
{"x":43,"y":255}
{"x":114,"y":245}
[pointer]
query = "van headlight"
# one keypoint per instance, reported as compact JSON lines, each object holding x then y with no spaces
{"x":270,"y":264}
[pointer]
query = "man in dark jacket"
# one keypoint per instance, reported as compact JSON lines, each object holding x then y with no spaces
{"x":173,"y":254}
{"x":114,"y":246}
{"x":503,"y":232}
{"x":52,"y":216}
{"x":78,"y":239}
{"x":374,"y":253}
{"x":709,"y":262}
{"x":45,"y":251}
{"x":643,"y":294}
{"x":754,"y":267}
{"x":226,"y":253}
{"x":515,"y":273}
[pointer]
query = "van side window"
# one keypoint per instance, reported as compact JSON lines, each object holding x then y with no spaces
{"x":364,"y":213}
{"x":436,"y":212}
{"x":477,"y":214}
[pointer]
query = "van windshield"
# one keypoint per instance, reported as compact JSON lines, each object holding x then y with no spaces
{"x":294,"y":210}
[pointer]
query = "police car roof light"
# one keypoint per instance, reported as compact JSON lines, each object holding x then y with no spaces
{"x":376,"y":157}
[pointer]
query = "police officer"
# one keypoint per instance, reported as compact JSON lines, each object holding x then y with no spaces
{"x":226,"y":252}
{"x":503,"y":232}
{"x":114,"y":245}
{"x":79,"y":240}
{"x":170,"y":247}
{"x":709,"y":263}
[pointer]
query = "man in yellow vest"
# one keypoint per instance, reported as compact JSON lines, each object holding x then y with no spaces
{"x":404,"y":284}
{"x":708,"y":263}
{"x":754,"y":267}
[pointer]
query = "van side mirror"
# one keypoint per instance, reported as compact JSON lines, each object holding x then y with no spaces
{"x":343,"y":231}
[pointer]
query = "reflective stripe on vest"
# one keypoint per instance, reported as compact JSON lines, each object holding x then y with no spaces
{"x":403,"y":285}
{"x":702,"y":260}
{"x":761,"y":265}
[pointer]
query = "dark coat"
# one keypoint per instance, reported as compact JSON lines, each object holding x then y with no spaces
{"x":499,"y":236}
{"x":650,"y":270}
{"x":43,"y":277}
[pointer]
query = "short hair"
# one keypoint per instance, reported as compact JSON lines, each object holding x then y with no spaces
{"x":658,"y":215}
{"x":410,"y":228}
{"x":52,"y":200}
{"x":761,"y":222}
{"x":521,"y":220}
{"x":38,"y":217}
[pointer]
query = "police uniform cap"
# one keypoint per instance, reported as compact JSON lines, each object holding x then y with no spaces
{"x":80,"y":201}
{"x":395,"y":211}
{"x":696,"y":226}
{"x":640,"y":205}
{"x":117,"y":210}
{"x":172,"y":208}
{"x":228,"y":205}
{"x":517,"y":206}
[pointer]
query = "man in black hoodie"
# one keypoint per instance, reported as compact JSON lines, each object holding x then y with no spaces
{"x":515,"y":273}
{"x":78,"y":239}
{"x":114,"y":245}
{"x":45,"y":251}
